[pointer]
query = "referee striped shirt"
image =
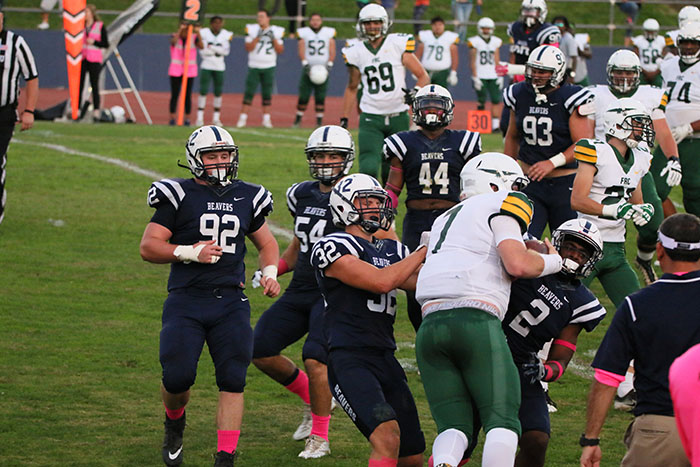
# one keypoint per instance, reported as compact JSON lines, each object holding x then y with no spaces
{"x":15,"y":58}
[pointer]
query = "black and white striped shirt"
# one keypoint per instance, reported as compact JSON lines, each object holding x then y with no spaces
{"x":15,"y":58}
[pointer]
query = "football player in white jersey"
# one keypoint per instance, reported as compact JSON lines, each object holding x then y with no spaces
{"x":624,"y":75}
{"x":316,"y":52}
{"x":682,"y":104}
{"x":380,"y":61}
{"x":263,"y":43}
{"x":217,"y":46}
{"x":608,"y":190}
{"x":437,"y":51}
{"x":483,"y":49}
{"x":475,"y":251}
{"x":649,"y":46}
{"x":686,"y":15}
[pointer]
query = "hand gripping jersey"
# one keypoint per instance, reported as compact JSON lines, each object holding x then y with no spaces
{"x":436,"y":50}
{"x":540,"y":308}
{"x":194,"y":213}
{"x":431,"y":167}
{"x":683,"y":91}
{"x":216,"y":48}
{"x":316,"y":44}
{"x":523,"y":42}
{"x":263,"y":55}
{"x":487,"y":55}
{"x":544,"y":127}
{"x":353,"y":317}
{"x":650,"y":96}
{"x":649,"y":51}
{"x":382,"y":71}
{"x":463,"y":262}
{"x":614,"y":181}
{"x":312,"y":221}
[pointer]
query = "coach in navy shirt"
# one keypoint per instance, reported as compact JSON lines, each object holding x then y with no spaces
{"x":653,"y":326}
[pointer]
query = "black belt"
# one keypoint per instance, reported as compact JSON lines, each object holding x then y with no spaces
{"x":204,"y":291}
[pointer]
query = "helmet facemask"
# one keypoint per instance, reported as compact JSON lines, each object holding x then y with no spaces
{"x":640,"y":128}
{"x":688,"y":50}
{"x":624,"y":80}
{"x":540,"y":84}
{"x":530,"y":16}
{"x":220,"y":173}
{"x":381,"y":32}
{"x":578,"y":253}
{"x":327,"y":172}
{"x":433,"y":111}
{"x":372,"y":212}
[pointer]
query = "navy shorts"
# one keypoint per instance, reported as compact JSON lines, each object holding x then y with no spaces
{"x":533,"y":414}
{"x":294,"y":314}
{"x":551,"y":198}
{"x":219,"y":316}
{"x":371,"y":387}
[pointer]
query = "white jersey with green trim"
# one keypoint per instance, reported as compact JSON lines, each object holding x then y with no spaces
{"x":216,"y":48}
{"x":612,"y":182}
{"x":683,"y":91}
{"x":649,"y":50}
{"x":382,"y":72}
{"x":316,"y":44}
{"x":650,"y":96}
{"x":487,"y":55}
{"x":436,"y":50}
{"x":263,"y":55}
{"x":463,"y":261}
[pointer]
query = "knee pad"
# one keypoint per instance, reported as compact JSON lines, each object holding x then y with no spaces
{"x":267,"y":101}
{"x":177,"y":379}
{"x":231,"y":376}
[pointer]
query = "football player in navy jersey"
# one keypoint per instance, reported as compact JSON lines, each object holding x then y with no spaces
{"x":330,"y":152}
{"x":200,"y":226}
{"x":547,"y":117}
{"x":428,"y":161}
{"x":555,"y":307}
{"x":358,"y":276}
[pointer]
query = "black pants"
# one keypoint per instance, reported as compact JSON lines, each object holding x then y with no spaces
{"x":8,"y":117}
{"x":292,"y":7}
{"x":175,"y":85}
{"x":93,"y":68}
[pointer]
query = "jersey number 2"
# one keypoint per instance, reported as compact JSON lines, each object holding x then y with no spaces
{"x":520,"y":323}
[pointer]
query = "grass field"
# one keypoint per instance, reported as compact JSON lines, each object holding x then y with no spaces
{"x":80,"y":312}
{"x":582,"y":12}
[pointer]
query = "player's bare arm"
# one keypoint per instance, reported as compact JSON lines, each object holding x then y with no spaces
{"x":581,"y":189}
{"x":521,"y":262}
{"x":156,"y":248}
{"x":512,"y":140}
{"x":350,"y":95}
{"x":412,"y":64}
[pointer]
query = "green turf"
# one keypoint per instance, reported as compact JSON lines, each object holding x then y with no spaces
{"x":504,"y":10}
{"x":80,"y":313}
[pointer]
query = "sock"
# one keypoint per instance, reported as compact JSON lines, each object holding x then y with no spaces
{"x":319,"y":118}
{"x":217,"y":102}
{"x":217,"y":115}
{"x":499,"y":448}
{"x":645,"y":255}
{"x":201,"y":102}
{"x":174,"y":414}
{"x":383,"y":462}
{"x":243,"y":117}
{"x":266,"y":117}
{"x":300,"y":386}
{"x":495,"y":122}
{"x":319,"y":425}
{"x":449,"y":447}
{"x":200,"y":114}
{"x":227,"y":440}
{"x":297,"y":119}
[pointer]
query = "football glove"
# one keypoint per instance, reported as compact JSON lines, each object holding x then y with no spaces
{"x":621,"y":210}
{"x":672,"y":171}
{"x":329,"y":66}
{"x":255,"y":280}
{"x":499,"y":82}
{"x":344,"y":123}
{"x":642,"y":213}
{"x":476,"y":82}
{"x":409,"y":95}
{"x":681,"y":132}
{"x":305,"y":66}
{"x":452,"y":80}
{"x":533,"y":371}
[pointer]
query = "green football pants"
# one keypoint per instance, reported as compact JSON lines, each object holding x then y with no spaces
{"x":373,"y":129}
{"x":614,"y":273}
{"x":688,"y":151}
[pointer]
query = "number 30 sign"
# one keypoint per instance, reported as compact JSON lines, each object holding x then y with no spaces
{"x":479,"y":121}
{"x":192,"y":11}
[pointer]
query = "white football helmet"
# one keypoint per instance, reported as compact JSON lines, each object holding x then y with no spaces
{"x":489,"y":172}
{"x":533,"y":12}
{"x":485,"y":23}
{"x":330,"y":139}
{"x":627,"y":119}
{"x":690,"y":36}
{"x":651,"y":28}
{"x":688,"y":14}
{"x":433,"y":107}
{"x":587,"y":235}
{"x":373,"y":210}
{"x":208,"y":139}
{"x":118,"y":113}
{"x":372,"y":12}
{"x":624,"y":60}
{"x":547,"y":58}
{"x":318,"y":74}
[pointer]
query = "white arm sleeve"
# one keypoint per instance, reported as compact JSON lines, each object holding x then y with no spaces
{"x":505,"y":228}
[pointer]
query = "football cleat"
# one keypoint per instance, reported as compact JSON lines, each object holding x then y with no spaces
{"x":172,"y":442}
{"x":242,"y":120}
{"x":267,"y":122}
{"x":315,"y":447}
{"x":626,"y":403}
{"x":224,"y":459}
{"x":551,"y":405}
{"x":304,"y":429}
{"x":646,"y":269}
{"x":217,"y":122}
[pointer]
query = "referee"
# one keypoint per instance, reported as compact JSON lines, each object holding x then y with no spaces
{"x":15,"y":59}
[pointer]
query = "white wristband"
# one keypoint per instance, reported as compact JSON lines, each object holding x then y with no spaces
{"x":657,"y":114}
{"x":610,"y":210}
{"x":552,"y":264}
{"x":270,"y":271}
{"x":559,"y":160}
{"x":330,"y":64}
{"x":304,"y":62}
{"x":188,"y":253}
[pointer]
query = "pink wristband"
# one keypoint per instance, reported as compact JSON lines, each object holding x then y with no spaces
{"x":549,"y":374}
{"x":393,"y":198}
{"x":396,"y":169}
{"x":566,"y":344}
{"x":282,"y":267}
